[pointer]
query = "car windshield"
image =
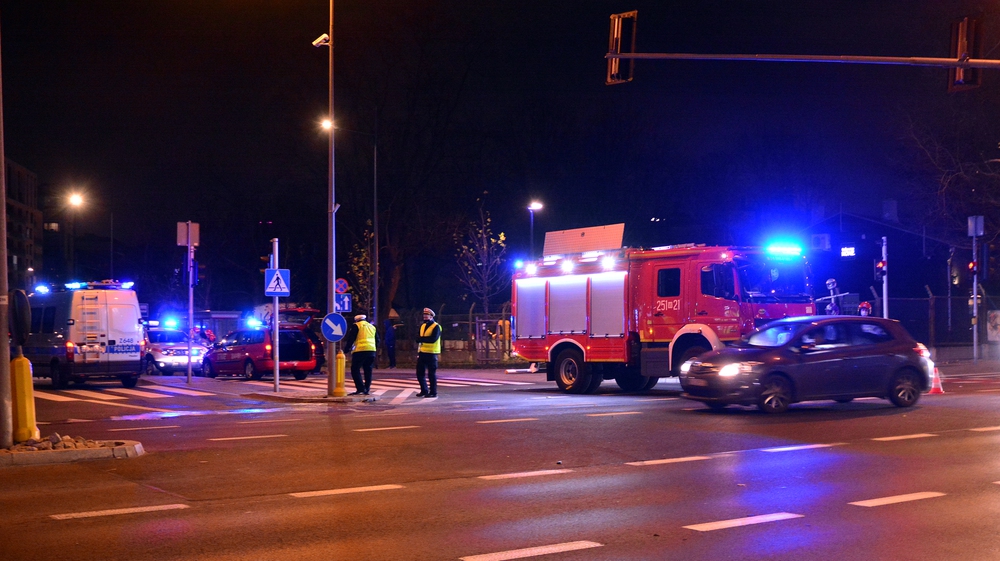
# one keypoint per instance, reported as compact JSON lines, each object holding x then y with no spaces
{"x":774,"y":336}
{"x":765,"y":278}
{"x":167,"y":337}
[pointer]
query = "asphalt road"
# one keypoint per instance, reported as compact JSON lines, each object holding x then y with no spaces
{"x":505,"y":471}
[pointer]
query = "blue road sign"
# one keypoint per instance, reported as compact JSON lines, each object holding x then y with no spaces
{"x":276,"y":282}
{"x":334,"y":327}
{"x":342,"y":303}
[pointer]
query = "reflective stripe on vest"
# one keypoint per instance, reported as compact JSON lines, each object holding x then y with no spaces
{"x":366,"y":337}
{"x":432,"y":348}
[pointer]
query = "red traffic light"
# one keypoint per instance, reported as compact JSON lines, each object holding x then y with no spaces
{"x":973,"y":267}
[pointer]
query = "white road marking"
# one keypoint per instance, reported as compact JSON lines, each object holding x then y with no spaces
{"x":668,"y":461}
{"x":898,"y":499}
{"x":532,"y":551}
{"x":93,"y":395}
{"x":344,"y":491}
{"x":126,"y":405}
{"x":137,"y":393}
{"x":525,"y":474}
{"x":388,"y":428}
{"x":736,"y":522}
{"x":181,"y":391}
{"x":904,"y":437}
{"x":551,"y":397}
{"x":402,"y":396}
{"x":614,"y":413}
{"x":115,"y":511}
{"x":507,"y":420}
{"x":248,"y":437}
{"x":985,"y":429}
{"x":801,"y":447}
{"x":53,"y":396}
{"x":660,"y":399}
{"x":146,"y":428}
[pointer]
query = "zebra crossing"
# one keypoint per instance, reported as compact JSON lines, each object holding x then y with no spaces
{"x":398,"y":389}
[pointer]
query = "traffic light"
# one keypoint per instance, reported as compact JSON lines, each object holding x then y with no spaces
{"x":880,"y":269}
{"x":973,"y":267}
{"x":267,"y":263}
{"x":201,"y":272}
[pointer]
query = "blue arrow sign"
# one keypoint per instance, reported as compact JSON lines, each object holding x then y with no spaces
{"x":342,"y":303}
{"x":334,"y":327}
{"x":276,"y":282}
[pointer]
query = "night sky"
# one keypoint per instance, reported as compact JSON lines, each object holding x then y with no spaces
{"x":208,"y":110}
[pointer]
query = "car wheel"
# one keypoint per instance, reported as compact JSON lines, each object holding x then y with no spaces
{"x":572,"y":374}
{"x":904,"y":390}
{"x":129,"y":381}
{"x":687,"y":355}
{"x":148,"y":367}
{"x":208,"y":370}
{"x":631,"y":380}
{"x":250,"y":372}
{"x":59,"y":375}
{"x":775,"y":394}
{"x":301,"y":374}
{"x":716,"y":406}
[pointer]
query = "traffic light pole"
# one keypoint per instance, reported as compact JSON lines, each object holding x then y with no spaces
{"x":975,"y":302}
{"x":885,"y":280}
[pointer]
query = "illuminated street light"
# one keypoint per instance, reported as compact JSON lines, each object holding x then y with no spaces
{"x":76,"y":201}
{"x":535,"y":205}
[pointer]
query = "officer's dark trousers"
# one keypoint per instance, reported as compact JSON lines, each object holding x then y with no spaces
{"x":362,"y":360}
{"x":427,"y":365}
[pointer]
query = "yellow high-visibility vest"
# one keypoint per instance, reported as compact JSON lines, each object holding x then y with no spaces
{"x":366,"y":337}
{"x":432,"y":348}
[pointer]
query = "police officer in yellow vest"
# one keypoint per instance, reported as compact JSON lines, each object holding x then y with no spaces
{"x":428,"y":349}
{"x":362,"y":339}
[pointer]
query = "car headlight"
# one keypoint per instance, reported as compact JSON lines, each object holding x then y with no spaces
{"x":736,"y":368}
{"x":686,"y":367}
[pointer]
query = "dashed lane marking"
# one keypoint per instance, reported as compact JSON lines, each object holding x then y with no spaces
{"x":614,"y":413}
{"x":116,"y":511}
{"x":344,"y":491}
{"x":898,"y":499}
{"x":737,"y":522}
{"x":476,"y":401}
{"x":668,"y":461}
{"x":801,"y":447}
{"x":532,"y":551}
{"x":93,"y":395}
{"x":525,"y":474}
{"x":985,"y":429}
{"x":388,"y":428}
{"x":903,"y":437}
{"x":507,"y":420}
{"x":248,"y":437}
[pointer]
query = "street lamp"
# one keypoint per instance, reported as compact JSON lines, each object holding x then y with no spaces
{"x":76,"y":201}
{"x":535,"y":205}
{"x":327,"y":124}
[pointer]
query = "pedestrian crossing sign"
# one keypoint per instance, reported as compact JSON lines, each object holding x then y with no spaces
{"x":276,"y":282}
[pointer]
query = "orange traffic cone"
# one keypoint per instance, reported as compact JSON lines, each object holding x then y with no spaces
{"x":936,"y":383}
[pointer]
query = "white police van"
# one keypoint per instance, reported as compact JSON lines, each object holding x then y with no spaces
{"x":85,"y":330}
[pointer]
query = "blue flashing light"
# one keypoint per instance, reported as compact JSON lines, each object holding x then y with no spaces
{"x":128,"y":285}
{"x":519,"y":264}
{"x":74,"y":285}
{"x":254,"y":322}
{"x":170,"y":322}
{"x":42,"y":289}
{"x":784,"y":249}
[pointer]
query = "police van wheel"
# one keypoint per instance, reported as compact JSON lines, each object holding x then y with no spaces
{"x":129,"y":381}
{"x":301,"y":374}
{"x":572,"y":374}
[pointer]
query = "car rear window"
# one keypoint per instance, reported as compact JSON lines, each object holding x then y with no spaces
{"x":289,"y":337}
{"x":870,"y":334}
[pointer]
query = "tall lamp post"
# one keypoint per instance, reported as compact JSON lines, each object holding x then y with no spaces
{"x":535,"y":205}
{"x":76,"y":201}
{"x":374,"y":137}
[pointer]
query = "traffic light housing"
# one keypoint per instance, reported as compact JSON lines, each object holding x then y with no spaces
{"x":973,"y":267}
{"x":880,"y":269}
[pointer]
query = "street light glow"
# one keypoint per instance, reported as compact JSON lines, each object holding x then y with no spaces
{"x":76,"y":199}
{"x":327,"y":124}
{"x":535,"y":205}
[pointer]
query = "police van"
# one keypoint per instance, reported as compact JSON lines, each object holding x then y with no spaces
{"x":85,"y":330}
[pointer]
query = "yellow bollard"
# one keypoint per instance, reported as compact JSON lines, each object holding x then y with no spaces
{"x":339,"y":391}
{"x":24,"y":400}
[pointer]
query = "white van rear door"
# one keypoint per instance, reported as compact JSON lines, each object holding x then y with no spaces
{"x":124,"y":331}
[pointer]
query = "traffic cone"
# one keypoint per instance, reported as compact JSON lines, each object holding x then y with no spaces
{"x":936,"y":383}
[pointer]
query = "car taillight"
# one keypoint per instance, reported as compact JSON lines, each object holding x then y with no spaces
{"x":922,"y":350}
{"x":312,"y":347}
{"x":70,"y":351}
{"x":267,"y":347}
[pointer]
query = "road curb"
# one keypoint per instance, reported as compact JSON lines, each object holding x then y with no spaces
{"x":313,"y":397}
{"x":120,"y":449}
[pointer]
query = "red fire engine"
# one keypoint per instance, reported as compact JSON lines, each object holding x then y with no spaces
{"x":635,"y":315}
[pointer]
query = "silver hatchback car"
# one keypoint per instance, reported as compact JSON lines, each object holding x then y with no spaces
{"x":167,"y":352}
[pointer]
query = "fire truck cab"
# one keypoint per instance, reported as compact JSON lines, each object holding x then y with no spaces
{"x":636,"y":315}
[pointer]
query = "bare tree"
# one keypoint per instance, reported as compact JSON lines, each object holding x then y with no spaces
{"x":481,"y":258}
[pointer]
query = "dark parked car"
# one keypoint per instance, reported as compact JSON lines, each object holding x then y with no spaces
{"x":248,"y":353}
{"x":811,"y":358}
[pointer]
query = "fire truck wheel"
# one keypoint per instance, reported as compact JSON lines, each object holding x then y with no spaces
{"x":687,"y":355}
{"x":572,"y":374}
{"x":650,"y":383}
{"x":631,"y":381}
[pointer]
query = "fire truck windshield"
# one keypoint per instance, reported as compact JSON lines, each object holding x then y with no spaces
{"x":768,"y":279}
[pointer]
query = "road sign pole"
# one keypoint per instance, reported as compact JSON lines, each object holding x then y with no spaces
{"x":274,"y":319}
{"x":334,"y":327}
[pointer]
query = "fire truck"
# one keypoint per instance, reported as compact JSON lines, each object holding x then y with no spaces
{"x":592,"y":310}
